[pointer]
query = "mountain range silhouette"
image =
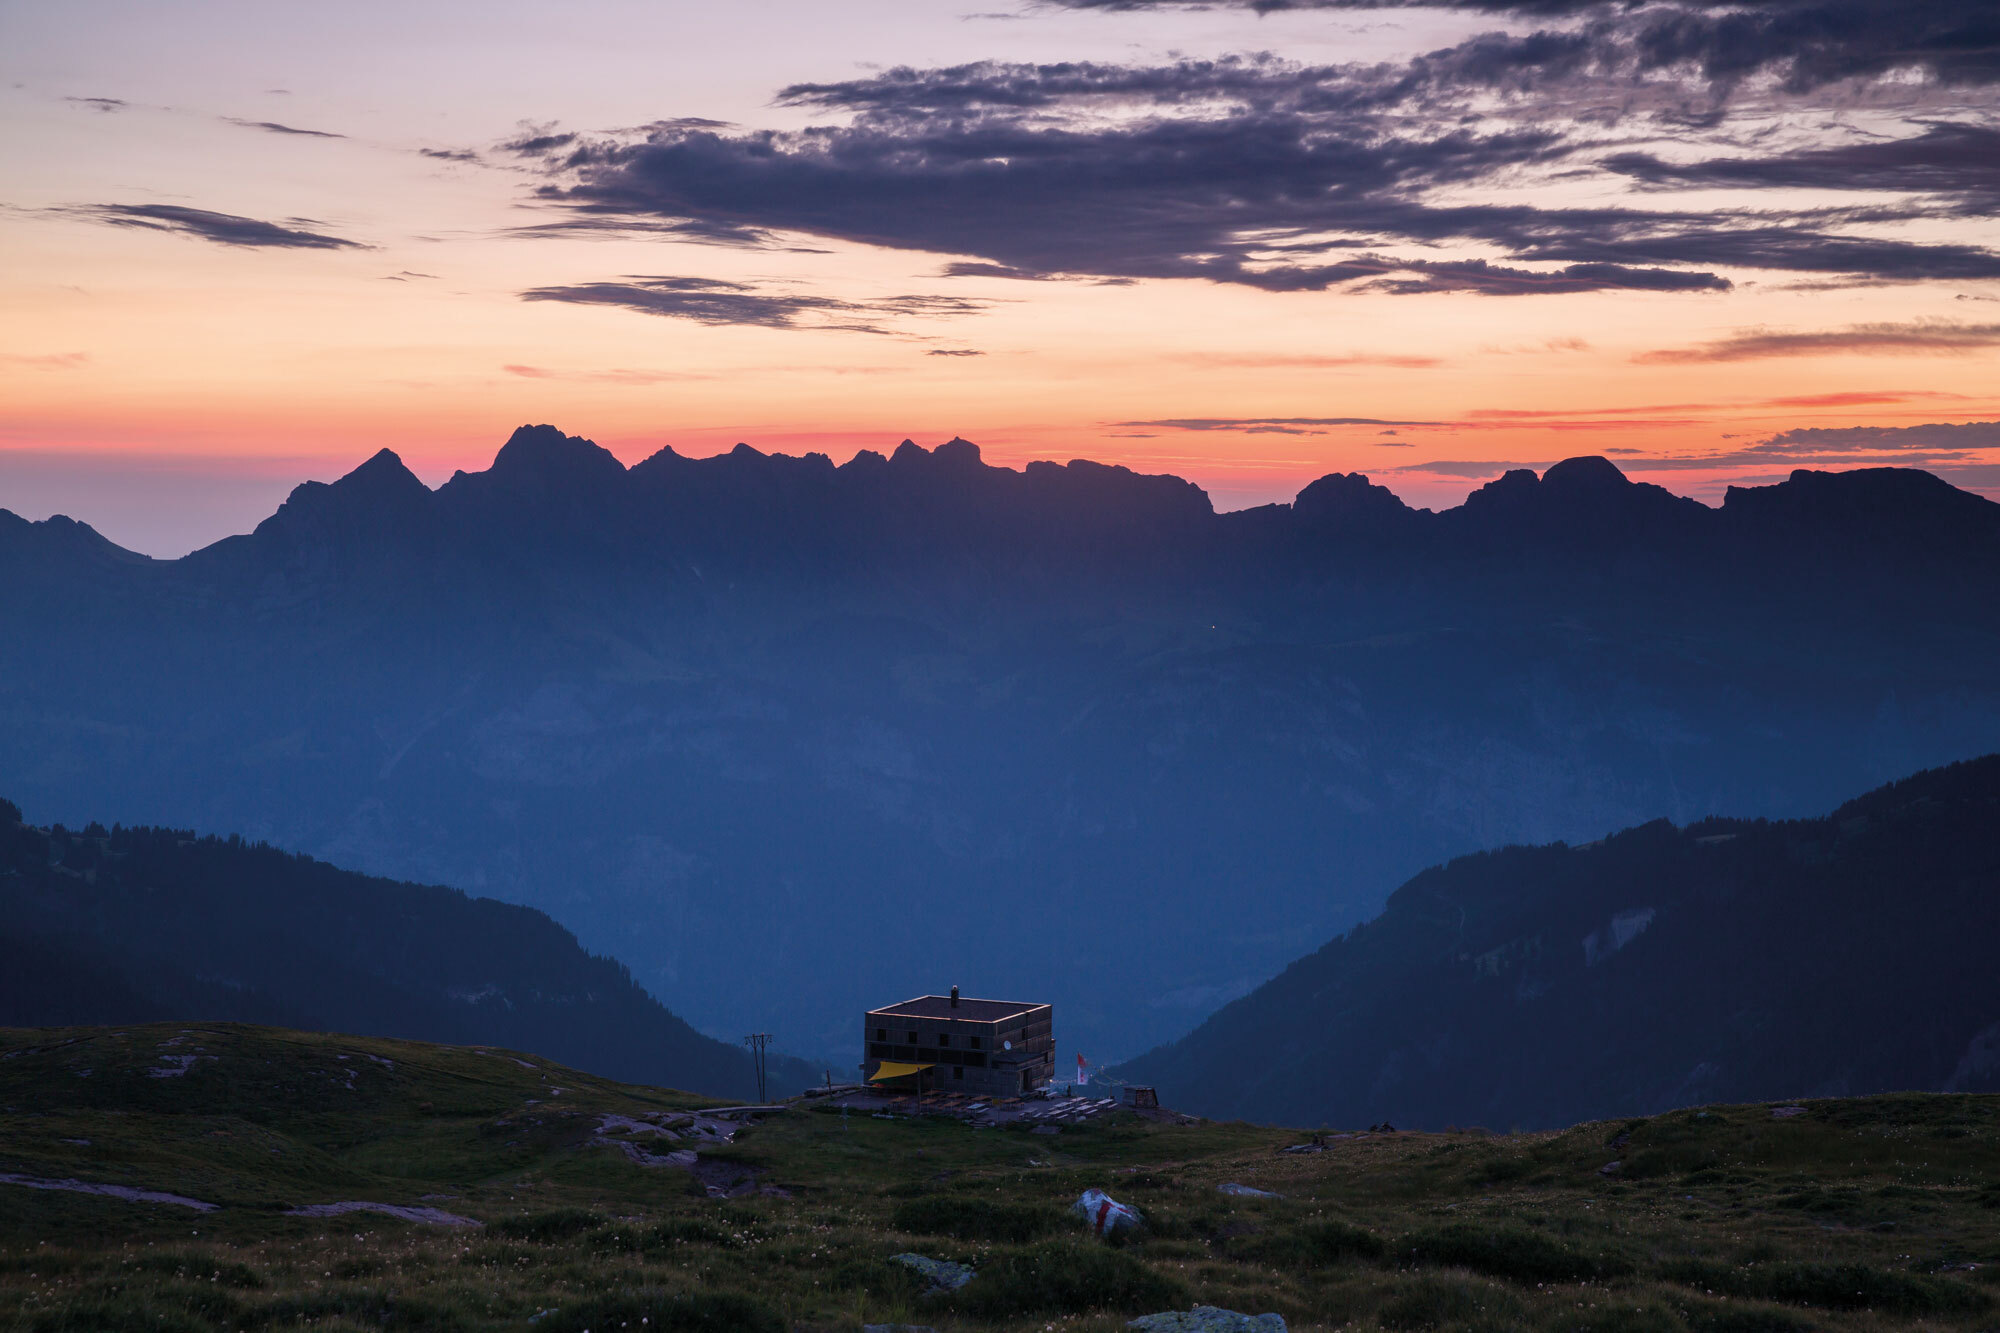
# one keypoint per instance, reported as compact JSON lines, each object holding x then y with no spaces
{"x":792,"y":739}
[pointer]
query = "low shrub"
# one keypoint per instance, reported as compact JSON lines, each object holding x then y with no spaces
{"x":662,"y":1236}
{"x":362,"y":1305}
{"x":688,"y":1231}
{"x":501,"y":1256}
{"x":1832,"y":1287}
{"x":978,"y":1219}
{"x":197,"y":1266}
{"x":1442,"y":1302}
{"x":666,"y":1312}
{"x":1513,"y":1253}
{"x":878,"y":1278}
{"x":135,"y":1312}
{"x":555,"y":1224}
{"x":1502,"y":1170}
{"x":1622,"y":1319}
{"x":1068,"y":1277}
{"x":1313,"y":1245}
{"x":1719,"y":1318}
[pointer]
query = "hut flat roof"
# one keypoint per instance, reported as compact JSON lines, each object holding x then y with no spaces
{"x":967,"y":1010}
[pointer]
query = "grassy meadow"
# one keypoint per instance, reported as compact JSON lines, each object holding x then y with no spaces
{"x":1869,"y":1213}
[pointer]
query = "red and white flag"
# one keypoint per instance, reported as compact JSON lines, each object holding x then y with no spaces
{"x":1082,"y":1070}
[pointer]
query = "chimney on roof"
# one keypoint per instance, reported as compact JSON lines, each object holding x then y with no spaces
{"x":954,"y":997}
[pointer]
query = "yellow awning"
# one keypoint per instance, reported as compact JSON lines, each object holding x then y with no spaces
{"x":890,"y":1069}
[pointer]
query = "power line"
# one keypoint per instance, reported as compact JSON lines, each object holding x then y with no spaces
{"x":757,"y":1042}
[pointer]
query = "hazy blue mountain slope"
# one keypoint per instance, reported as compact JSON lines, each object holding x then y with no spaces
{"x":1731,"y":960}
{"x":131,"y":925}
{"x":792,"y":739}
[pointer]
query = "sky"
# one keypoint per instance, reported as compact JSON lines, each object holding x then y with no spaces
{"x":245,"y":245}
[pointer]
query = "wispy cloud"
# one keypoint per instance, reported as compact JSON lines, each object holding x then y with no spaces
{"x":1934,"y":337}
{"x":1469,"y":468}
{"x":100,"y":103}
{"x":712,"y":301}
{"x":1538,"y":348}
{"x":1956,"y":162}
{"x":1938,"y":445}
{"x":587,"y":225}
{"x":1329,"y":361}
{"x":1265,"y":425}
{"x":221,"y":228}
{"x":1932,"y":438}
{"x":629,"y":377}
{"x":1502,"y":414}
{"x":538,"y":141}
{"x":954,"y":351}
{"x":273,"y":127}
{"x":1859,"y":398}
{"x":45,"y":360}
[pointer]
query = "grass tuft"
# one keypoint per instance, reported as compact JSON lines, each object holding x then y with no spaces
{"x":196,"y":1266}
{"x":1314,"y":1245}
{"x":555,"y":1224}
{"x":666,"y":1311}
{"x":978,"y":1219}
{"x":1514,"y":1253}
{"x":1068,"y":1277}
{"x":1458,"y":1304}
{"x":1832,"y":1287}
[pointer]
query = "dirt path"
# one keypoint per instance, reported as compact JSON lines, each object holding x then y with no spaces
{"x":436,"y":1217}
{"x":126,"y":1192}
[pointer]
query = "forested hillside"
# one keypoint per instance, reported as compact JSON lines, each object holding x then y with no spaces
{"x":128,"y":925}
{"x":1730,"y":960}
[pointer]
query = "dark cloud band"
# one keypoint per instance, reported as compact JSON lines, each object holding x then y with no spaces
{"x":1805,"y":43}
{"x":1250,"y":171}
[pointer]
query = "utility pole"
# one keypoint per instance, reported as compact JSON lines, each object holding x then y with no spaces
{"x":757,"y":1042}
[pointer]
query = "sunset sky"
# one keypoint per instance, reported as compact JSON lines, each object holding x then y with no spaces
{"x":242,"y":245}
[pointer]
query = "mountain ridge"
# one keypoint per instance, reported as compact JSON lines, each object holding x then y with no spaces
{"x":794,"y":739}
{"x":542,"y":462}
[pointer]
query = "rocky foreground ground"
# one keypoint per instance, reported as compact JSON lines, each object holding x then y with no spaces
{"x":195,"y":1179}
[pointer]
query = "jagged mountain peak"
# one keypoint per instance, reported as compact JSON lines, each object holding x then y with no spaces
{"x":383,"y":476}
{"x":60,"y":533}
{"x":1589,"y":490}
{"x":1347,"y":497}
{"x":1895,"y":512}
{"x":956,"y":452}
{"x":1875,"y":488}
{"x":544,"y":457}
{"x":1588,"y":474}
